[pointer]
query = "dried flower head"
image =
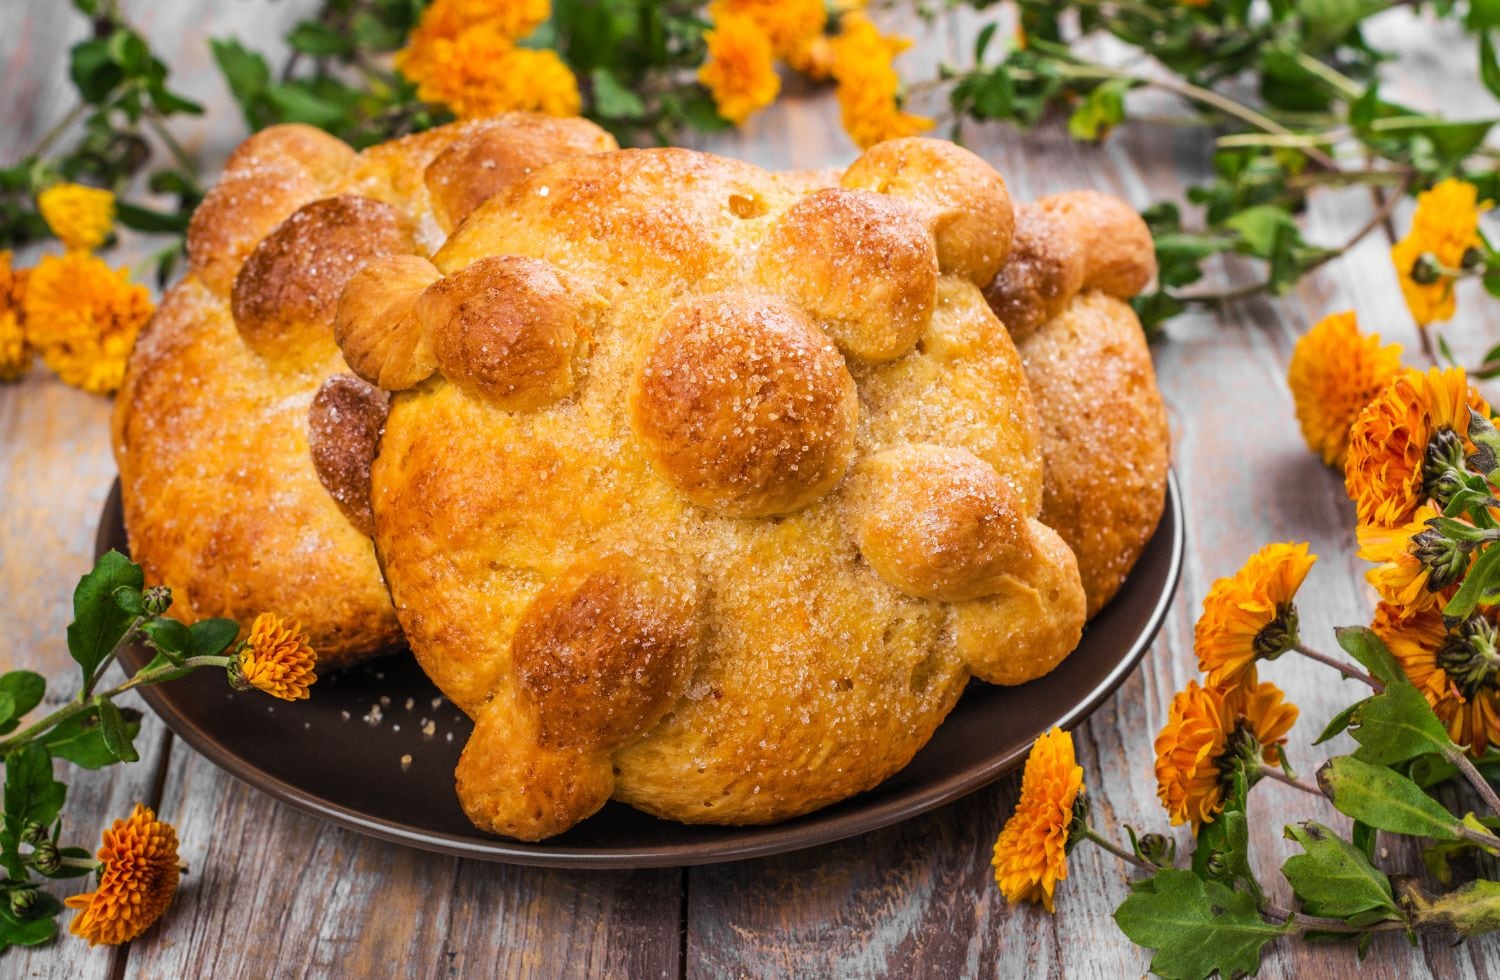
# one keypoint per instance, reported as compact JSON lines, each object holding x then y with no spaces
{"x":1456,"y":670}
{"x":1405,"y":439}
{"x":1444,"y":226}
{"x":1208,"y":733}
{"x":15,"y":353}
{"x":1335,"y":371}
{"x":83,"y":317}
{"x":869,"y":89}
{"x":275,"y":658}
{"x":1250,"y":615}
{"x":740,"y":71}
{"x":1416,"y":567}
{"x":81,"y":217}
{"x":1031,"y":853}
{"x":138,"y":878}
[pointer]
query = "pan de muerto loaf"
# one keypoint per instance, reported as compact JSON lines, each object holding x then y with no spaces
{"x":242,"y":440}
{"x":707,"y":489}
{"x":1076,"y":258}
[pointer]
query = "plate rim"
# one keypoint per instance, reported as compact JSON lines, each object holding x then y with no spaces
{"x":776,"y":839}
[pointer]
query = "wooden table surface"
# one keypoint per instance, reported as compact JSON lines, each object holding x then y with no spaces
{"x":273,"y":892}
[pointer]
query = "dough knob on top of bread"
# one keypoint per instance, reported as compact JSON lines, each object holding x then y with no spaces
{"x":862,"y":264}
{"x":509,"y":330}
{"x":492,"y":154}
{"x":963,"y":199}
{"x":286,"y":293}
{"x":598,"y":657}
{"x":343,"y":430}
{"x":1065,"y":244}
{"x":376,"y":323}
{"x":744,"y":406}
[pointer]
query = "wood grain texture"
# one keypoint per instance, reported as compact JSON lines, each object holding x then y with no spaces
{"x":273,"y":892}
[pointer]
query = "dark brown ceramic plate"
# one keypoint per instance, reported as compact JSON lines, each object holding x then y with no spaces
{"x":375,"y":747}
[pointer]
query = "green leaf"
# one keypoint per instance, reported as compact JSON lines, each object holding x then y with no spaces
{"x":1397,"y":725}
{"x":1260,"y":228}
{"x":1338,"y":723}
{"x":15,"y":931}
{"x":210,"y":637}
{"x":613,"y":100}
{"x":98,"y":621}
{"x":1481,"y":584}
{"x":168,"y":637}
{"x":1489,"y":68}
{"x":116,"y":734}
{"x":1333,"y":877}
{"x":153,"y":222}
{"x":1364,"y":645}
{"x":295,"y":102}
{"x":1100,"y":111}
{"x":247,"y":75}
{"x":1385,"y":799}
{"x":94,"y":71}
{"x":314,"y":38}
{"x":25,"y":691}
{"x":30,"y":794}
{"x":1196,"y":927}
{"x":80,"y":741}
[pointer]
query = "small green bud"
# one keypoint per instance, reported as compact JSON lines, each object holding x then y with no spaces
{"x":1469,"y":656}
{"x":1473,"y":259}
{"x":22,"y":902}
{"x":1426,"y":270}
{"x":156,"y":600}
{"x":1159,"y":849}
{"x":1446,"y":559}
{"x":33,"y":832}
{"x":45,"y":858}
{"x":1444,"y":466}
{"x":1216,"y":866}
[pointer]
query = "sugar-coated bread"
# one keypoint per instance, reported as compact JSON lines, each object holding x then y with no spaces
{"x":716,"y":485}
{"x":243,"y":439}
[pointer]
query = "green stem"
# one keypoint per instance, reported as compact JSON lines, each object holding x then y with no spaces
{"x":158,"y":125}
{"x":1271,"y":772}
{"x":1353,"y":673}
{"x":1090,"y":834}
{"x":74,"y":708}
{"x":1314,"y":923}
{"x":93,"y":679}
{"x":1460,"y":758}
{"x":1335,"y":79}
{"x":60,"y":127}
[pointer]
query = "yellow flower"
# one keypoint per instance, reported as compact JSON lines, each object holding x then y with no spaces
{"x":1335,"y":372}
{"x":15,"y":352}
{"x":1401,"y":430}
{"x":1444,"y":226}
{"x":1031,"y":854}
{"x":793,"y":27}
{"x":1250,"y":615}
{"x":80,"y":216}
{"x":480,"y":72}
{"x":275,"y":658}
{"x":1401,"y":576}
{"x":1454,"y":669}
{"x":740,"y":72}
{"x":1207,"y":732}
{"x":137,"y":882}
{"x":83,"y":317}
{"x":868,"y":87}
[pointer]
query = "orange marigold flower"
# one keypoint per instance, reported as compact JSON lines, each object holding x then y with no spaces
{"x":15,"y":352}
{"x":1031,"y":853}
{"x":869,"y":89}
{"x":1335,"y":371}
{"x":740,"y":72}
{"x":81,"y":217}
{"x":450,"y":18}
{"x":480,"y":72}
{"x":136,"y":884}
{"x":792,"y":26}
{"x":83,"y":317}
{"x":1208,"y":732}
{"x":1414,"y":570}
{"x":1250,"y":616}
{"x":275,"y":658}
{"x":1454,"y":669}
{"x":1444,"y":226}
{"x":1410,"y":426}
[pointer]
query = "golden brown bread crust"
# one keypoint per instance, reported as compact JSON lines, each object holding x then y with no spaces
{"x":723,"y":668}
{"x":244,"y":477}
{"x":1104,"y":435}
